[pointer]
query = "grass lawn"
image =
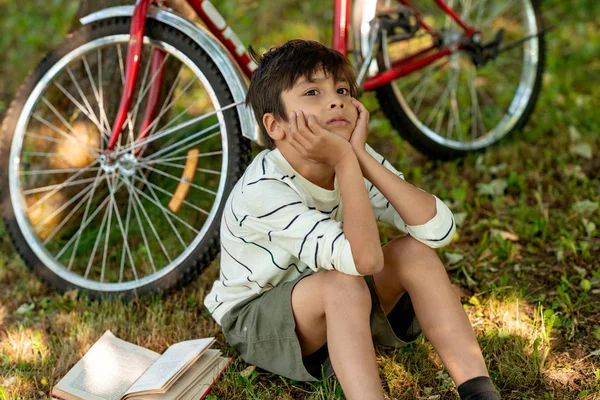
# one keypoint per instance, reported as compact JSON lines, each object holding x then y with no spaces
{"x":525,"y":260}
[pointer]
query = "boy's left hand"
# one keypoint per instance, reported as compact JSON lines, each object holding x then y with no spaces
{"x":358,"y":139}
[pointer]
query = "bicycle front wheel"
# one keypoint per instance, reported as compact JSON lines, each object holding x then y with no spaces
{"x":452,"y":107}
{"x":147,"y":218}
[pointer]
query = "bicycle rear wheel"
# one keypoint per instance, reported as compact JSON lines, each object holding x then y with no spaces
{"x":148,"y":221}
{"x":452,"y":107}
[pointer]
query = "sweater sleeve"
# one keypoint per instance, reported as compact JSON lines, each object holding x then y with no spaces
{"x":437,"y":232}
{"x":275,"y":212}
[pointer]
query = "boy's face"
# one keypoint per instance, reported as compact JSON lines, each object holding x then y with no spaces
{"x":327,"y":100}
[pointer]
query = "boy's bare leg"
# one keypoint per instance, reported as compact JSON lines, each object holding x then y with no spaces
{"x":413,"y":266}
{"x":334,"y":307}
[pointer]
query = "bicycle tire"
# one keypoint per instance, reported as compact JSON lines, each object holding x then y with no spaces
{"x":203,"y":249}
{"x":434,"y":144}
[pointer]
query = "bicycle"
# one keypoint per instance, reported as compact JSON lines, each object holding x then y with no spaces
{"x":134,"y":206}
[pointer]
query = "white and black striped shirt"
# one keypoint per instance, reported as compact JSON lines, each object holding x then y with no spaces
{"x":276,"y":224}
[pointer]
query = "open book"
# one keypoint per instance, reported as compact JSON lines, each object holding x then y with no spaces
{"x":114,"y":369}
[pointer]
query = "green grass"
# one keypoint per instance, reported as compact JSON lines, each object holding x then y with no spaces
{"x":525,"y":259}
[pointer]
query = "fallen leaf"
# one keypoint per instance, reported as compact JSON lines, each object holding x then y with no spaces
{"x":459,"y":218}
{"x":453,"y":258}
{"x":589,"y":226}
{"x":495,"y":169}
{"x":585,"y":207}
{"x":248,"y":371}
{"x":574,"y":134}
{"x":25,"y":308}
{"x":581,"y":149}
{"x":505,"y":235}
{"x":495,"y":188}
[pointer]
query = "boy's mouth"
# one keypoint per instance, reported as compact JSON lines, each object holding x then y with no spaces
{"x":338,"y":121}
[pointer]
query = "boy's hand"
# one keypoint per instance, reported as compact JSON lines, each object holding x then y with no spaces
{"x":361,"y":130}
{"x":315,"y":143}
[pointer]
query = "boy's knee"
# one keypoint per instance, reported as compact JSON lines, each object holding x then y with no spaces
{"x":408,"y":247}
{"x":349,"y":289}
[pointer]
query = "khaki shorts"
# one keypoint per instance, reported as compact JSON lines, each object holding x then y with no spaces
{"x":262,"y":329}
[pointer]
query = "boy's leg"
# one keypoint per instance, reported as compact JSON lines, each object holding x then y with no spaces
{"x":334,"y":307}
{"x":412,"y":266}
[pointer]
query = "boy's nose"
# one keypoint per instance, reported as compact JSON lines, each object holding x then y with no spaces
{"x":336,"y":103}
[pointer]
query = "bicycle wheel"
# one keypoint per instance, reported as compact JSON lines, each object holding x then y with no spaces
{"x":148,"y":221}
{"x":452,"y":107}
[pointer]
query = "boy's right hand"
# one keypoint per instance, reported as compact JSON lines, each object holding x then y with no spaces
{"x":315,"y":143}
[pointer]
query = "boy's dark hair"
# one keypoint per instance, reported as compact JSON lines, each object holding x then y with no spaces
{"x":280,"y":67}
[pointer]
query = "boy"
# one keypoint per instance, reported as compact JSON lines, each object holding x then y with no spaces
{"x":300,"y":293}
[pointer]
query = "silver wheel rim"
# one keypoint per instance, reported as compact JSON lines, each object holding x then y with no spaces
{"x":125,"y":175}
{"x":444,"y":130}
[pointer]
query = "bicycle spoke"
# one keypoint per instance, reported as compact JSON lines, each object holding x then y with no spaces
{"x":166,"y":107}
{"x":127,"y":218}
{"x":152,"y":228}
{"x":83,"y":97}
{"x":69,"y":127}
{"x":64,"y":184}
{"x":120,"y":223}
{"x":162,"y":209}
{"x":137,"y":217}
{"x":43,"y":154}
{"x":172,"y":194}
{"x":111,"y":202}
{"x":96,"y":242}
{"x":63,"y":133}
{"x":212,"y":153}
{"x":180,"y":180}
{"x":505,"y":5}
{"x":65,"y":205}
{"x":132,"y":115}
{"x":425,"y":78}
{"x":440,"y":100}
{"x":177,"y":149}
{"x":50,"y":187}
{"x":454,"y":104}
{"x":121,"y":67}
{"x":84,"y":224}
{"x":185,"y":111}
{"x":152,"y":80}
{"x":82,"y":109}
{"x":54,"y":171}
{"x":87,"y":197}
{"x":103,"y":118}
{"x":160,"y":206}
{"x":175,"y":128}
{"x":208,"y":171}
{"x":475,"y":108}
{"x":101,"y":91}
{"x":85,"y":213}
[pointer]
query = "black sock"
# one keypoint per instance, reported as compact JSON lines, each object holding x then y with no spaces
{"x":480,"y":388}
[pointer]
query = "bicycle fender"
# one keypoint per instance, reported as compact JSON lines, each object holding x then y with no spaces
{"x":226,"y":64}
{"x":363,"y":12}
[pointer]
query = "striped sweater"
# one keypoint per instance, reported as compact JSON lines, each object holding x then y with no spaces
{"x":276,"y":224}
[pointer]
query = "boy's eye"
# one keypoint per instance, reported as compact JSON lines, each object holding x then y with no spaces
{"x":311,"y":92}
{"x":343,"y":91}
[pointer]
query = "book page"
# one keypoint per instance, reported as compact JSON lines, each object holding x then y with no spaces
{"x":186,"y":382}
{"x":173,"y":360}
{"x":107,"y":370}
{"x":203,"y":385}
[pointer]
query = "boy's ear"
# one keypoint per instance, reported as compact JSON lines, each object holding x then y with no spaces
{"x":274,"y":126}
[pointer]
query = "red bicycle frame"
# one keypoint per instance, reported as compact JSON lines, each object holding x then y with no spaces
{"x":219,"y":27}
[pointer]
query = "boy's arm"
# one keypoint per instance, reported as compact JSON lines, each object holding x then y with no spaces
{"x":360,"y":228}
{"x":414,"y":206}
{"x":422,"y":215}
